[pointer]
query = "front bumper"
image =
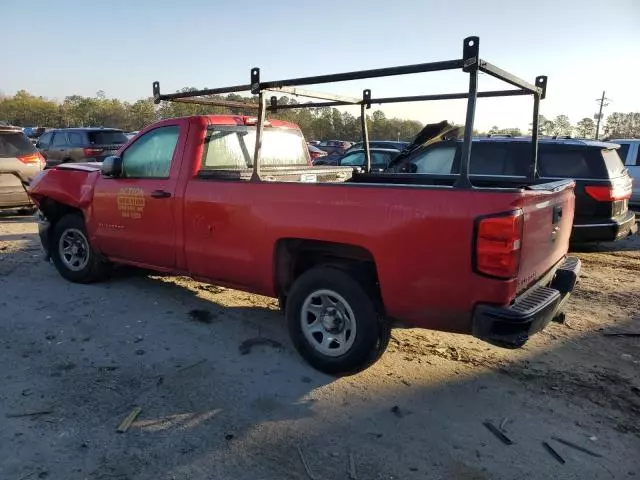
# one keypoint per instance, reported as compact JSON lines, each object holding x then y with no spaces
{"x":531,"y":312}
{"x":605,"y":231}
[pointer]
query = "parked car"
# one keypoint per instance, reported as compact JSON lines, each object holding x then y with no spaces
{"x":380,"y":158}
{"x":603,"y":185}
{"x":315,"y":153}
{"x":380,"y":144}
{"x":19,"y":162}
{"x":84,"y":144}
{"x":344,"y":258}
{"x":629,"y":152}
{"x":334,"y":146}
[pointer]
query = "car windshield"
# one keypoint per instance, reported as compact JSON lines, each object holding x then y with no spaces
{"x":379,"y":144}
{"x":107,"y":137}
{"x":13,"y":144}
{"x":233,"y":148}
{"x":357,"y":159}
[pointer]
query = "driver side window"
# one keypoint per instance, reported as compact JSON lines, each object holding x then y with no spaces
{"x":150,"y":155}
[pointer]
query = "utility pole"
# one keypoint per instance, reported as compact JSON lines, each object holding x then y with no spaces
{"x":598,"y":115}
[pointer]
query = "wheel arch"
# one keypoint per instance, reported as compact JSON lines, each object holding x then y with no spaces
{"x":53,"y":210}
{"x":294,"y":256}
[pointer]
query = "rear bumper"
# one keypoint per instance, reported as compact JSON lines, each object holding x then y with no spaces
{"x":607,"y":231}
{"x":531,"y":312}
{"x":16,"y":199}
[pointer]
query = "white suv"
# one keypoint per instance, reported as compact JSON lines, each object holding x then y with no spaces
{"x":630,"y":154}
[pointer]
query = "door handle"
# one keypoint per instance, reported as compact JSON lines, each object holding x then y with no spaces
{"x":160,"y":194}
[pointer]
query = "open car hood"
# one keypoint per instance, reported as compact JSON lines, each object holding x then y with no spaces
{"x":435,"y":132}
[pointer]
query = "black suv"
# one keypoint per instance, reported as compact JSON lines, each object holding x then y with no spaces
{"x":80,"y":144}
{"x":603,"y":184}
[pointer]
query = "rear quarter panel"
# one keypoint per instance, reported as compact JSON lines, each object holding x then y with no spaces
{"x":421,"y":239}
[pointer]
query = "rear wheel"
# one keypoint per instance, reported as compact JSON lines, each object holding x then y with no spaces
{"x":72,"y":253}
{"x":334,"y":323}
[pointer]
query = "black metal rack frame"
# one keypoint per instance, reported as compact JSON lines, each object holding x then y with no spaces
{"x":470,"y":63}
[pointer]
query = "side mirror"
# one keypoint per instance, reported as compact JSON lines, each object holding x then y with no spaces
{"x":112,"y":167}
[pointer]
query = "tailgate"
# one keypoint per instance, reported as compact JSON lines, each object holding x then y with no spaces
{"x":548,"y":218}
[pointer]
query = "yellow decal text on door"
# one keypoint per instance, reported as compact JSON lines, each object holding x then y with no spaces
{"x":130,"y":202}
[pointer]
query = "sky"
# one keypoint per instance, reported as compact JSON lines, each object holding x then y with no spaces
{"x":67,"y":47}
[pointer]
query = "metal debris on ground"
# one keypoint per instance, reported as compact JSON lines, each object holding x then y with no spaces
{"x":201,"y":315}
{"x":246,"y":346}
{"x":352,"y":467}
{"x":29,"y":414}
{"x":498,"y":433}
{"x":126,"y":423}
{"x":306,"y":465}
{"x":503,"y":424}
{"x":553,"y":453}
{"x":577,"y":447}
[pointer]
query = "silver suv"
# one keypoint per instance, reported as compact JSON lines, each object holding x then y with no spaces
{"x":19,"y":162}
{"x":629,"y":152}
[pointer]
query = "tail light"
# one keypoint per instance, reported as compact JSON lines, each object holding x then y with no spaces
{"x":498,"y":244}
{"x":32,"y":159}
{"x":92,"y":152}
{"x":605,"y":193}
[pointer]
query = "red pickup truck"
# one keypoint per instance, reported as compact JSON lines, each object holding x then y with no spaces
{"x":347,"y":257}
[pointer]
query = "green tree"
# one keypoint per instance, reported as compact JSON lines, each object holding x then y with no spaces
{"x":545,"y":126}
{"x":562,"y":125}
{"x":586,"y":128}
{"x":623,"y":125}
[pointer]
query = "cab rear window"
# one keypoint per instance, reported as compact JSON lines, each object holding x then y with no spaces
{"x":232,"y":148}
{"x":13,"y":144}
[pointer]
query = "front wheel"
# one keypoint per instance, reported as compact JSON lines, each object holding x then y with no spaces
{"x":334,"y":323}
{"x":72,"y":255}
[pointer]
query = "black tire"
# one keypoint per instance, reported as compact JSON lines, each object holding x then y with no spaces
{"x":372,"y":332}
{"x":91,"y":270}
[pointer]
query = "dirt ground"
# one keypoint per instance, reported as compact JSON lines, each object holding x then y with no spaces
{"x":75,"y":361}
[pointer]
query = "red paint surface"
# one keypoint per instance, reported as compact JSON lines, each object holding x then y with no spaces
{"x":226,"y":232}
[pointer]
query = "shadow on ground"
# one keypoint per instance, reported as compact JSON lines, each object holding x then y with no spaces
{"x":89,"y":353}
